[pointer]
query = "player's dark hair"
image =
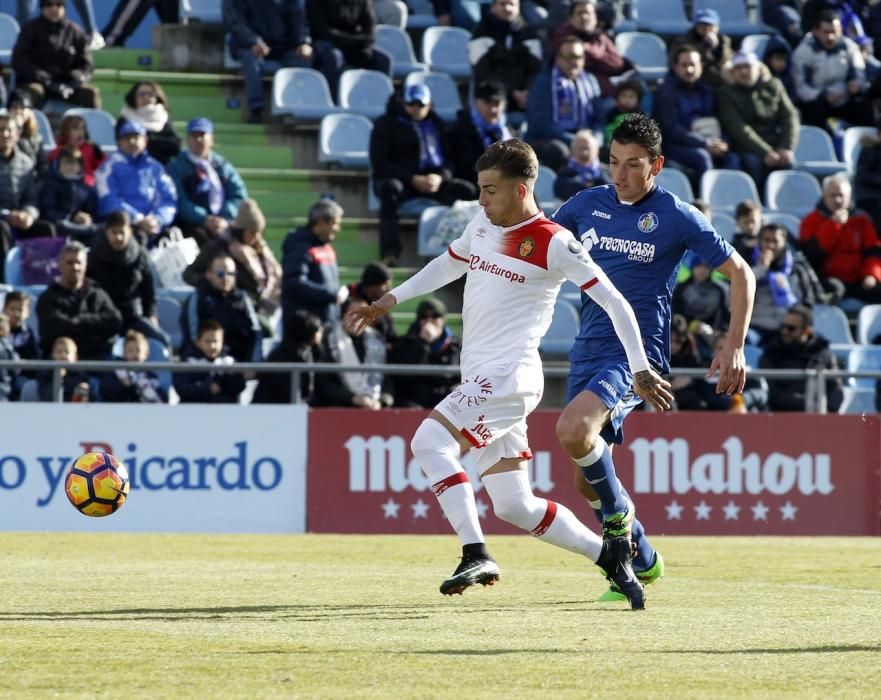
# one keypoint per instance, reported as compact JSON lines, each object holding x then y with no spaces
{"x":681,"y":49}
{"x":640,"y":129}
{"x":513,"y":158}
{"x":825,"y":16}
{"x":803,"y":310}
{"x":746,"y":207}
{"x":208,"y":325}
{"x":16,"y":295}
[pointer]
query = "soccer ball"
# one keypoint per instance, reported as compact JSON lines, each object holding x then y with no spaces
{"x":97,"y":484}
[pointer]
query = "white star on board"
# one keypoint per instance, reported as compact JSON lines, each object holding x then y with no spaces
{"x":702,"y":511}
{"x":390,"y":508}
{"x":481,"y":508}
{"x":760,"y":511}
{"x":732,"y":510}
{"x":420,"y":509}
{"x":674,"y":511}
{"x":788,"y":511}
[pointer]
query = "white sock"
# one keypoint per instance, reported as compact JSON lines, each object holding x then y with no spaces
{"x":436,"y":450}
{"x":514,"y":502}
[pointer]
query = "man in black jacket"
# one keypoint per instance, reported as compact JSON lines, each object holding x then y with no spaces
{"x":78,"y":308}
{"x":476,"y":127}
{"x":408,"y":160}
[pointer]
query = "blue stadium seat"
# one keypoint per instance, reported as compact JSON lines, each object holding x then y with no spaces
{"x":428,"y":221}
{"x":396,"y":42}
{"x":12,"y":267}
{"x":365,"y":92}
{"x":868,"y":323}
{"x":100,"y":124}
{"x":44,"y":126}
{"x":854,"y":137}
{"x":831,"y":323}
{"x":667,"y":18}
{"x":789,"y":221}
{"x":544,"y":187}
{"x":676,"y":182}
{"x":563,"y":329}
{"x":792,"y":191}
{"x":344,"y":139}
{"x":753,"y":354}
{"x":421,"y":14}
{"x":8,"y":36}
{"x":725,"y":189}
{"x":757,"y":43}
{"x":302,"y":93}
{"x":445,"y":49}
{"x":734,"y":20}
{"x":815,"y":152}
{"x":725,"y":225}
{"x":646,"y":51}
{"x":208,"y":11}
{"x":168,"y":312}
{"x":444,"y":93}
{"x":866,"y":357}
{"x":858,"y":401}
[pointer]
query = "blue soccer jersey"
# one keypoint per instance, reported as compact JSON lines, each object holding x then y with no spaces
{"x":639,"y":247}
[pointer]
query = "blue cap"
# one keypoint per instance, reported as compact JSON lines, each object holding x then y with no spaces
{"x":706,"y":17}
{"x":127,"y":127}
{"x":418,"y":92}
{"x":200,"y":124}
{"x":744,"y":58}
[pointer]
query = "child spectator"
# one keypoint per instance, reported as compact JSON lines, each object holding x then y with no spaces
{"x":146,"y":104}
{"x":74,"y":135}
{"x":702,"y":298}
{"x":628,"y":98}
{"x":17,"y":307}
{"x":7,"y":352}
{"x":583,"y":169}
{"x":133,"y":386}
{"x":211,"y":386}
{"x":30,"y":142}
{"x":748,"y":216}
{"x":75,"y":386}
{"x":303,"y":334}
{"x":777,"y":58}
{"x":67,"y":201}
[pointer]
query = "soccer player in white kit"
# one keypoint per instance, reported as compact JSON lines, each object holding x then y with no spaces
{"x":515,"y":261}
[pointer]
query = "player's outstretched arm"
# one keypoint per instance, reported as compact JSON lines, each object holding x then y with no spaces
{"x":730,"y":362}
{"x":365,"y":315}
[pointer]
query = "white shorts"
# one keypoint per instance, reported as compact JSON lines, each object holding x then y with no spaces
{"x":489,"y":409}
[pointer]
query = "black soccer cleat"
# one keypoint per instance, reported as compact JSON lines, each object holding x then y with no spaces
{"x":616,"y":563}
{"x":469,"y":572}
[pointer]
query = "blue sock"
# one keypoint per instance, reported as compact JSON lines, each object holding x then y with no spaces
{"x":599,"y":470}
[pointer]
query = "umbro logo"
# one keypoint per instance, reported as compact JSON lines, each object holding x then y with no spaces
{"x":601,"y":214}
{"x":481,"y":232}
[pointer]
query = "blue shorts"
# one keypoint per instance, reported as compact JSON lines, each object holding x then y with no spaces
{"x":611,"y":380}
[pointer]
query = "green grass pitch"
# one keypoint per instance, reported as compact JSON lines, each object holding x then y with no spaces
{"x":174,"y":616}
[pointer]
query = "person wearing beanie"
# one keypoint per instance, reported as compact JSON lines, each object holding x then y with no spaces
{"x":210,"y":190}
{"x":376,"y":280}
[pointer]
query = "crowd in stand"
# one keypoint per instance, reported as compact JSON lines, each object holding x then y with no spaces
{"x":548,"y":71}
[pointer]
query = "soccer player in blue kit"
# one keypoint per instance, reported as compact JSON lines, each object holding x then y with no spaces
{"x":637,"y":233}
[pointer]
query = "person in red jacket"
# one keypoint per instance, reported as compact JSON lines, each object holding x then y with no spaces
{"x":841,"y":242}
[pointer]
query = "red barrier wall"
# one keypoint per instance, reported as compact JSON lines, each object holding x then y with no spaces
{"x":689,"y":474}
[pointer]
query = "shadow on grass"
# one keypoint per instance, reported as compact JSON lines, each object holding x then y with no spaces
{"x":825,"y":649}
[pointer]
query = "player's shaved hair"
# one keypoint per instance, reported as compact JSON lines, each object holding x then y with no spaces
{"x":639,"y":129}
{"x":513,"y":158}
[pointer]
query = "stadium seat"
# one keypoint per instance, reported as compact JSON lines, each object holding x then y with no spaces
{"x":100,"y":124}
{"x":757,"y":43}
{"x":725,"y":225}
{"x":168,"y":312}
{"x":563,"y":329}
{"x":12,"y":267}
{"x":45,"y":128}
{"x":428,"y":221}
{"x":734,"y":20}
{"x":789,"y":221}
{"x":344,"y":139}
{"x":544,"y":187}
{"x":365,"y":92}
{"x":421,"y":14}
{"x":725,"y":189}
{"x":854,"y":137}
{"x":445,"y":49}
{"x":753,"y":354}
{"x":857,"y":401}
{"x":666,"y":18}
{"x":646,"y":51}
{"x":208,"y":11}
{"x":867,"y":357}
{"x":396,"y":42}
{"x":868,"y":323}
{"x":815,"y":152}
{"x":302,"y":93}
{"x":8,"y":36}
{"x":676,"y":182}
{"x":408,"y":208}
{"x":444,"y":93}
{"x":792,"y":191}
{"x":831,"y":323}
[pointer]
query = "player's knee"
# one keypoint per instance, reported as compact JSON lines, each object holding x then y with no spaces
{"x":571,"y":431}
{"x":516,"y":511}
{"x":431,"y":436}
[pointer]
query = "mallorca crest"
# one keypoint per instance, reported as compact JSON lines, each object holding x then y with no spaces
{"x":648,"y":222}
{"x":527,"y":245}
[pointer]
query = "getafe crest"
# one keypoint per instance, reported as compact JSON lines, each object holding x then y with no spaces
{"x":648,"y":222}
{"x":527,"y":245}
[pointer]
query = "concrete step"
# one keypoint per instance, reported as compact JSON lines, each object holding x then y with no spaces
{"x":291,"y":192}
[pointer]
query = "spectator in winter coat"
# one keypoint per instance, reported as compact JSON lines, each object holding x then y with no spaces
{"x":209,"y":188}
{"x":8,"y":377}
{"x":67,"y":201}
{"x":133,"y":386}
{"x":30,"y":141}
{"x":73,"y":134}
{"x":18,"y":189}
{"x":867,"y":181}
{"x":713,"y":46}
{"x":376,"y":280}
{"x":701,"y":298}
{"x":76,"y":386}
{"x":146,"y":104}
{"x":583,"y":168}
{"x":300,"y":342}
{"x":211,"y":386}
{"x":778,"y":58}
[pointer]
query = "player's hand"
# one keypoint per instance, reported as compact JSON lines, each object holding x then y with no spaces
{"x":730,"y":363}
{"x":653,"y":388}
{"x":361,"y":317}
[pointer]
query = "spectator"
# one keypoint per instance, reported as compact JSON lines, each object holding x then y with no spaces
{"x":343,"y":32}
{"x":310,"y":276}
{"x":628,"y":96}
{"x":830,"y":75}
{"x":477,"y":127}
{"x":563,"y":99}
{"x":209,"y":188}
{"x":508,"y":59}
{"x":685,"y":107}
{"x":17,"y":307}
{"x":748,"y":217}
{"x":783,"y":278}
{"x":67,"y":201}
{"x":713,"y":47}
{"x":218,"y":298}
{"x":778,"y":59}
{"x":266,"y":35}
{"x":796,"y":346}
{"x":30,"y":142}
{"x":51,"y":59}
{"x":18,"y":189}
{"x":376,"y":280}
{"x":429,"y":341}
{"x":408,"y":159}
{"x":8,"y":377}
{"x":73,"y":134}
{"x":146,"y":104}
{"x":867,"y":181}
{"x":213,"y":385}
{"x":602,"y":55}
{"x":76,"y":386}
{"x":121,"y":266}
{"x":257,"y":271}
{"x":784,"y":16}
{"x":134,"y":182}
{"x":758,"y":117}
{"x":133,"y":386}
{"x":583,"y":169}
{"x":75,"y":306}
{"x":128,"y":14}
{"x":701,"y":298}
{"x":300,"y":342}
{"x":841,"y":242}
{"x":25,"y":10}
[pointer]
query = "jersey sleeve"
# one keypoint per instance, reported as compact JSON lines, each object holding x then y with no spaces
{"x":565,"y":216}
{"x":702,"y":239}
